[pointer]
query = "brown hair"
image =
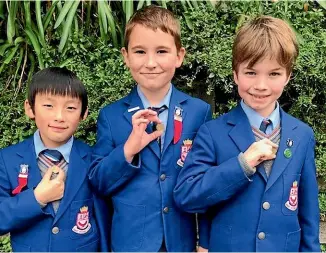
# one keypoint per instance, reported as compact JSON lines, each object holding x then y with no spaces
{"x":154,"y":17}
{"x":262,"y":37}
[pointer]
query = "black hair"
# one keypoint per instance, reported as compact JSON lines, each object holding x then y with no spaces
{"x":57,"y":81}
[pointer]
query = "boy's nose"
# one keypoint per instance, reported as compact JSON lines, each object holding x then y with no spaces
{"x":151,"y":62}
{"x":58,"y":115}
{"x":260,"y":85}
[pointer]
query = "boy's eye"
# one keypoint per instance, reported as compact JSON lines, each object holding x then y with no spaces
{"x":48,"y":105}
{"x":250,"y":73}
{"x":140,"y":52}
{"x":71,"y":108}
{"x":275,"y":74}
{"x":162,"y":51}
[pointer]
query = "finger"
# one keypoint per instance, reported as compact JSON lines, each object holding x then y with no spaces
{"x":154,"y":118}
{"x":155,"y":135}
{"x":139,"y":121}
{"x":269,"y":142}
{"x":151,"y":112}
{"x":48,"y":173}
{"x":269,"y":157}
{"x":61,"y":175}
{"x":142,"y":113}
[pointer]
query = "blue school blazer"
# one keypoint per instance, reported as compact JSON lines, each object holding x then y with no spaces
{"x":279,"y":213}
{"x":35,"y":229}
{"x":144,"y":210}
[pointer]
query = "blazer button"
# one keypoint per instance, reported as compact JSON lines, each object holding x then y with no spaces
{"x":266,"y":205}
{"x":55,"y":230}
{"x":166,"y":209}
{"x":261,"y":235}
{"x":163,"y":177}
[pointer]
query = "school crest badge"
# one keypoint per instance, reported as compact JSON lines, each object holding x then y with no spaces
{"x":292,"y":203}
{"x":82,"y":222}
{"x":185,"y":148}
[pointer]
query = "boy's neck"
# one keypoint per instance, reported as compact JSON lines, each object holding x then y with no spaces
{"x":155,"y":97}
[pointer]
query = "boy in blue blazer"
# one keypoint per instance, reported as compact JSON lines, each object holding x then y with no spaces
{"x":46,"y":202}
{"x":143,"y":139}
{"x":253,"y":170}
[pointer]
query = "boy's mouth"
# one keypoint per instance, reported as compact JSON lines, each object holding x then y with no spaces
{"x":58,"y":128}
{"x":259,"y":96}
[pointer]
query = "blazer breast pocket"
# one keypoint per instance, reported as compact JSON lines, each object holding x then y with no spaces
{"x":182,"y":148}
{"x":290,"y":199}
{"x":82,"y":219}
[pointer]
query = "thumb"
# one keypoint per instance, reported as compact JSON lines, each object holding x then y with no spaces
{"x":155,"y":135}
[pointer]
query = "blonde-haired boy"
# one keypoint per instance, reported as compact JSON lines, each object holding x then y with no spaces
{"x":253,"y":168}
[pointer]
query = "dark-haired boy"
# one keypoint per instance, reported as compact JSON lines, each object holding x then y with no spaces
{"x":46,"y":202}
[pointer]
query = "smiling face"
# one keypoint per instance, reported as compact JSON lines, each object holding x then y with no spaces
{"x":261,"y":85}
{"x":152,"y":58}
{"x":57,"y":117}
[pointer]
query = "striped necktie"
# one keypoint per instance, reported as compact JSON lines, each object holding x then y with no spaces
{"x":264,"y":124}
{"x":47,"y":159}
{"x":159,"y":110}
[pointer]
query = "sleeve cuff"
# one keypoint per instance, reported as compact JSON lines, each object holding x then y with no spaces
{"x":247,"y":169}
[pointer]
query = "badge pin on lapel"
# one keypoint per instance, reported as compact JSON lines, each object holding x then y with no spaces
{"x":289,"y":143}
{"x":82,"y":222}
{"x":133,"y":109}
{"x":22,"y":179}
{"x":287,"y":152}
{"x":177,"y":124}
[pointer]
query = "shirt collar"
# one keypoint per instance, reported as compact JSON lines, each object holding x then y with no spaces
{"x":64,"y":149}
{"x":146,"y":104}
{"x":255,"y":118}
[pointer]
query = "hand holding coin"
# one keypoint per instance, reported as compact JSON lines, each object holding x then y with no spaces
{"x":160,"y":127}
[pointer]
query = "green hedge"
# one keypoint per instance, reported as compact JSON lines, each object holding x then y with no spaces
{"x":206,"y":72}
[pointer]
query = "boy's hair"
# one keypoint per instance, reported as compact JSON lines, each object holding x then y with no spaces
{"x":155,"y":17}
{"x":57,"y":81}
{"x":262,"y":37}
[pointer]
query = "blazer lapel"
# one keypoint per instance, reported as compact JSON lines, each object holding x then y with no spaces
{"x":34,"y":174}
{"x":281,"y":162}
{"x":176,"y":100}
{"x":76,"y":176}
{"x":242,"y":134}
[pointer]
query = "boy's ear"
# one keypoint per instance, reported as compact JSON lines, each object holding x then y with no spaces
{"x":287,"y":80}
{"x":124,"y":53}
{"x":180,"y":57}
{"x":235,"y":77}
{"x":85,"y":114}
{"x":29,"y":110}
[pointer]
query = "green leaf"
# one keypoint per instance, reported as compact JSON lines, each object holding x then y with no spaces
{"x":66,"y":28}
{"x":140,"y":4}
{"x":39,"y":21}
{"x":3,"y":48}
{"x":129,"y":10}
{"x":11,"y":21}
{"x":322,"y":3}
{"x":49,"y":14}
{"x":112,"y":25}
{"x":33,"y":39}
{"x":63,"y":12}
{"x":27,"y":13}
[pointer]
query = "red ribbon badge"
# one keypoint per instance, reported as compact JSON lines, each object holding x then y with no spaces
{"x":22,"y":179}
{"x":177,"y":124}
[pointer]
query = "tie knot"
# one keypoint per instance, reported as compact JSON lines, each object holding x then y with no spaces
{"x":54,"y":155}
{"x":264,"y":124}
{"x":159,"y":110}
